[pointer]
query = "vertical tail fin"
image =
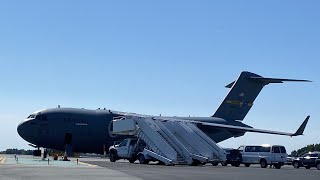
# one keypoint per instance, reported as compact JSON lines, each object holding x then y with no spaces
{"x":242,"y":94}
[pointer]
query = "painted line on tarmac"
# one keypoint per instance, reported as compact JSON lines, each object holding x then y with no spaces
{"x":86,"y":164}
{"x":3,"y":160}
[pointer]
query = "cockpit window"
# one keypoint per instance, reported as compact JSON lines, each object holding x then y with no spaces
{"x":31,"y":116}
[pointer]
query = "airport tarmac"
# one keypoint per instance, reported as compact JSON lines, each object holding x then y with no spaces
{"x":100,"y":168}
{"x":29,"y":169}
{"x":254,"y":172}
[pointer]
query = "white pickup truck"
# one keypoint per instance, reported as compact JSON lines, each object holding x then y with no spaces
{"x":130,"y":149}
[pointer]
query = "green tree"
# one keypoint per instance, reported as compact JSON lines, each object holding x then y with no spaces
{"x":306,"y":149}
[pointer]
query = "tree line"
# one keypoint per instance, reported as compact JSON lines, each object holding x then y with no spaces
{"x":306,"y":149}
{"x":17,"y":151}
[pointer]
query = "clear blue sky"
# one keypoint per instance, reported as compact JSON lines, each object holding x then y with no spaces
{"x":168,"y":57}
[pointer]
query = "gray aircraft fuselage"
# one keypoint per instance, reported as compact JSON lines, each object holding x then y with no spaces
{"x":88,"y":130}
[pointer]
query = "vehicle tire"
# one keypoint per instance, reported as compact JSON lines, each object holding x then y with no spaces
{"x":263,"y":163}
{"x":195,"y":163}
{"x":296,"y":164}
{"x":237,"y":164}
{"x":132,"y":160}
{"x":307,"y":167}
{"x":224,"y":163}
{"x":113,"y":156}
{"x":277,"y":166}
{"x":247,"y":164}
{"x":214,"y":164}
{"x":143,"y":160}
{"x":318,"y":166}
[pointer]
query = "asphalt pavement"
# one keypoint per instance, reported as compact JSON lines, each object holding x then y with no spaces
{"x":101,"y":168}
{"x":254,"y":172}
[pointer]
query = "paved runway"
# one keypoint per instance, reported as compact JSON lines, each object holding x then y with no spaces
{"x":157,"y":172}
{"x":122,"y":170}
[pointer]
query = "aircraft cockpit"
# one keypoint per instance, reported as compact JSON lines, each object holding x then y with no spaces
{"x":37,"y":116}
{"x":32,"y":116}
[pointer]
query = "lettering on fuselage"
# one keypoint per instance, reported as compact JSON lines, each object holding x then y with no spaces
{"x":76,"y":121}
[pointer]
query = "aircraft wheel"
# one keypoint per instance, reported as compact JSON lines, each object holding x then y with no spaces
{"x":263,"y":163}
{"x":113,"y":157}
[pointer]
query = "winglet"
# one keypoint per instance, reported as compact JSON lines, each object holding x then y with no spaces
{"x":302,"y":127}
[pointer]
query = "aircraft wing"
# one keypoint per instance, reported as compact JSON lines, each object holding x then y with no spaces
{"x":249,"y":129}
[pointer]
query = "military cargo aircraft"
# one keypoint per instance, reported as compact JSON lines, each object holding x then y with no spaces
{"x":88,"y":131}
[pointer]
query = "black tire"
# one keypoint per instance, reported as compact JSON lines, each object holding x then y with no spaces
{"x":143,"y":160}
{"x":113,"y":156}
{"x":132,"y":160}
{"x":236,"y":164}
{"x":246,"y":164}
{"x":318,"y":166}
{"x":277,"y":166}
{"x":296,"y":164}
{"x":195,"y":163}
{"x":224,"y":163}
{"x":307,"y":167}
{"x":214,"y":164}
{"x":263,"y":163}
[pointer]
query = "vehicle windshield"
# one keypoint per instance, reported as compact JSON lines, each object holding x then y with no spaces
{"x":123,"y":143}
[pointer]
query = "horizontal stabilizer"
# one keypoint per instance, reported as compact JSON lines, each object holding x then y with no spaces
{"x":276,"y":80}
{"x":269,"y":80}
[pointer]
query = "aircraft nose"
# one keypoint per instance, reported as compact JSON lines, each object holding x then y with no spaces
{"x":25,"y":129}
{"x":22,"y":128}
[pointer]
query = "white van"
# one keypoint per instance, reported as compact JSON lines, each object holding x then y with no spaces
{"x":264,"y":155}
